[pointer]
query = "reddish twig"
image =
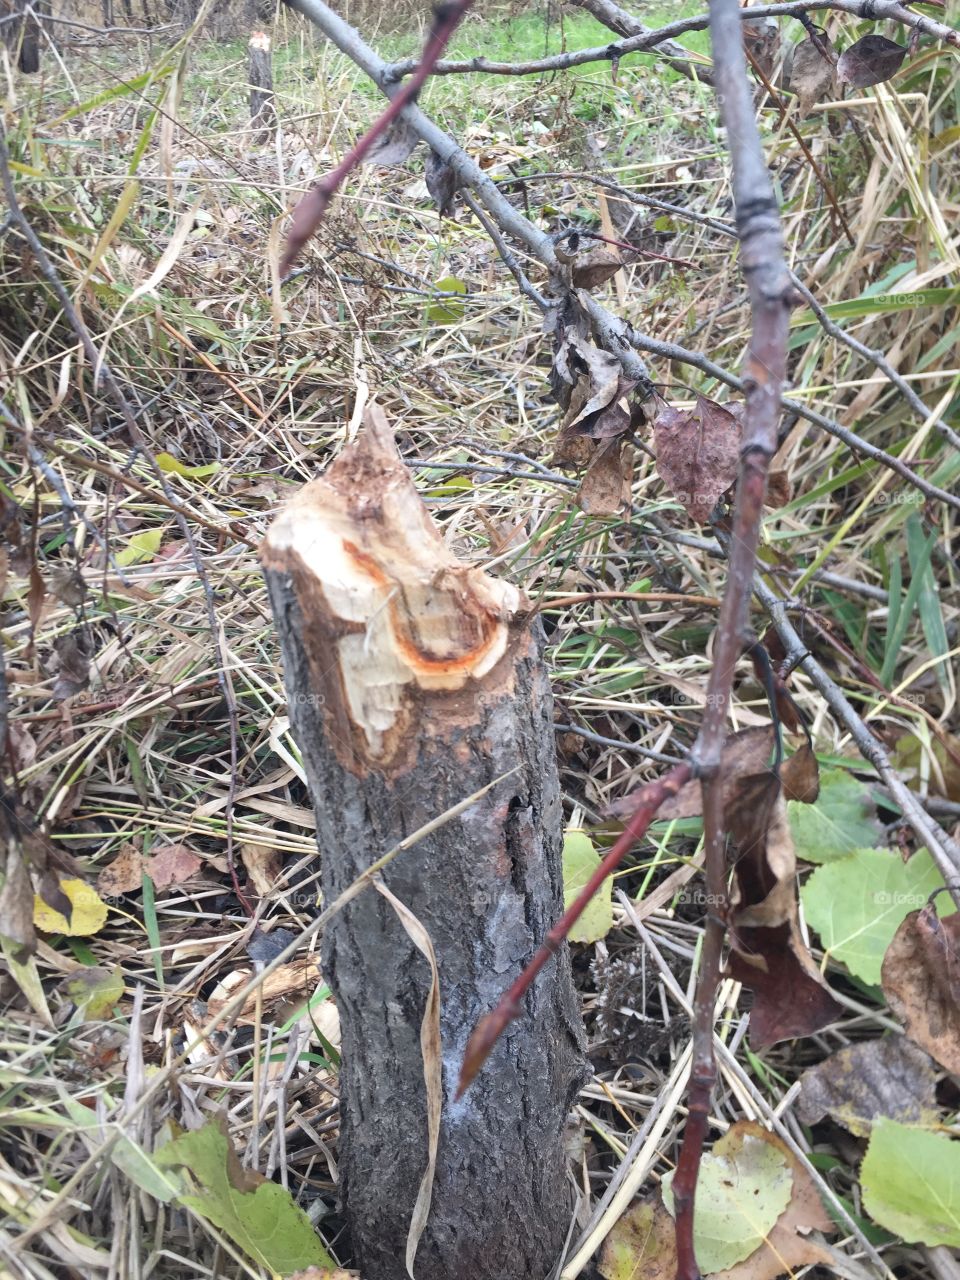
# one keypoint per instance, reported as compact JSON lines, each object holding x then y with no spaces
{"x":771,"y":295}
{"x":489,"y":1028}
{"x":308,"y":214}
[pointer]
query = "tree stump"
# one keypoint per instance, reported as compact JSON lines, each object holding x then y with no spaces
{"x":413,"y":681}
{"x":263,"y":107}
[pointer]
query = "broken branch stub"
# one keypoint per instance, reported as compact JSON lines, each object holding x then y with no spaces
{"x":414,"y":680}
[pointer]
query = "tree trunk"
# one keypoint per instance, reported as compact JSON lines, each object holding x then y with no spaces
{"x":22,"y":36}
{"x":263,"y":109}
{"x":413,"y":680}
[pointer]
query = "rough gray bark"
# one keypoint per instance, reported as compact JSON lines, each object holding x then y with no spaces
{"x":412,"y":682}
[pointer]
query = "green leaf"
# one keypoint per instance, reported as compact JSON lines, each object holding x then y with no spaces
{"x":744,"y":1185}
{"x":140,"y":547}
{"x":843,"y":819}
{"x":95,"y":992}
{"x":928,"y":600}
{"x":857,"y":903}
{"x":259,"y":1216}
{"x":881,"y":304}
{"x":173,"y":466}
{"x":911,"y":1183}
{"x":580,"y":861}
{"x":446,"y":310}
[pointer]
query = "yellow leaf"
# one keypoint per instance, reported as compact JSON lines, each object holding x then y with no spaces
{"x":171,"y":465}
{"x":89,"y":913}
{"x":142,"y":546}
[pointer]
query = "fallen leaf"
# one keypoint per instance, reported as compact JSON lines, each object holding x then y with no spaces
{"x":642,"y":1245}
{"x":812,"y":75}
{"x":858,"y":903}
{"x":580,"y":861}
{"x":172,"y":865}
{"x":123,"y":875}
{"x":67,"y":584}
{"x":95,"y":991}
{"x":88,"y":914}
{"x":743,"y":1187}
{"x":889,"y":1077}
{"x":264,"y":866}
{"x":921,"y":980}
{"x":911,"y":1183}
{"x":698,"y":454}
{"x":789,"y":1245}
{"x":446,"y":310}
{"x":259,"y":1216}
{"x":870,"y":60}
{"x":842,"y":819}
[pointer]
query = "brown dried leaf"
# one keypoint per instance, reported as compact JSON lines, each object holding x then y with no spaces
{"x":871,"y":60}
{"x":605,"y":487}
{"x":811,"y":76}
{"x":865,"y":1082}
{"x":73,"y":664}
{"x":921,"y":980}
{"x":172,"y":865}
{"x":790,"y":998}
{"x":779,"y":489}
{"x":441,"y":183}
{"x":264,"y":866}
{"x":768,"y":954}
{"x":68,"y":585}
{"x":698,"y":453}
{"x":596,"y":267}
{"x":762,"y":39}
{"x":746,"y":752}
{"x":800,"y":776}
{"x":123,"y":875}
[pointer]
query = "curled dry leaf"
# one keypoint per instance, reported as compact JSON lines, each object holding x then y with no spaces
{"x":441,"y":183}
{"x":263,"y":865}
{"x":72,"y":657}
{"x":762,"y":39}
{"x":605,"y":487}
{"x":871,"y":60}
{"x":890,"y":1078}
{"x":812,"y":75}
{"x":698,"y":453}
{"x":394,"y":146}
{"x":768,"y":954}
{"x":596,"y":267}
{"x":921,"y":980}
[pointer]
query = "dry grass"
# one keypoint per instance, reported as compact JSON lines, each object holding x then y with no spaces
{"x":256,"y":385}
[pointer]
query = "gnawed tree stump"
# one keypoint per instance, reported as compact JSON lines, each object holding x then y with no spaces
{"x":413,"y":681}
{"x":263,"y":107}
